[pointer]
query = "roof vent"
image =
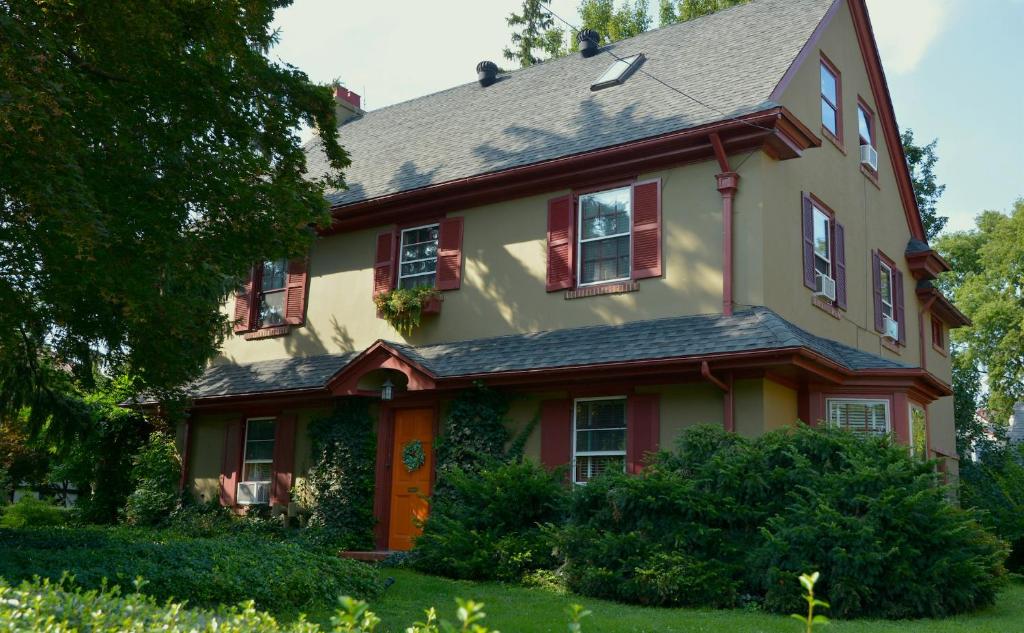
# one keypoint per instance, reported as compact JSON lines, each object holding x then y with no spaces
{"x":589,"y":41}
{"x":486,"y":73}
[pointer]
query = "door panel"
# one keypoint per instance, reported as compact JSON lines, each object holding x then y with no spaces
{"x":410,"y":489}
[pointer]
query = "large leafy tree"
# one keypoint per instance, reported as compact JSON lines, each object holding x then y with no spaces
{"x":672,"y":11}
{"x":614,"y":24}
{"x":921,"y":160}
{"x":987,"y":283}
{"x":536,"y":37}
{"x":148,"y":154}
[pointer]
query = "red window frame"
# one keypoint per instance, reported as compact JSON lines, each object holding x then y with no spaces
{"x":938,"y":335}
{"x":837,"y":136}
{"x":862,"y":105}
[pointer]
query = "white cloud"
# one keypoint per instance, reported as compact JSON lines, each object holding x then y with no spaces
{"x":905,"y":29}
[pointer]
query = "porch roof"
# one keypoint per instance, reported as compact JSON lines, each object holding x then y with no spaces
{"x":756,"y":329}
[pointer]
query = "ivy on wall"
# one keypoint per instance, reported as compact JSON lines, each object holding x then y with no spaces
{"x":338,"y":490}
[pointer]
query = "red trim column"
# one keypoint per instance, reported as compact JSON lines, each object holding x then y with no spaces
{"x":728,"y":183}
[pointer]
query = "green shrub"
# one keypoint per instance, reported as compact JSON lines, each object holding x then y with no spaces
{"x":995,"y":485}
{"x":32,"y":512}
{"x":725,"y":517}
{"x":203,"y":571}
{"x":488,"y":525}
{"x":156,"y":469}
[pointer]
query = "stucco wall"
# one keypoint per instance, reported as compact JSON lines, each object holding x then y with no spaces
{"x":504,"y":272}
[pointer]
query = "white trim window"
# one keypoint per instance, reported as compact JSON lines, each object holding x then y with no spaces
{"x":860,"y":416}
{"x":885,"y":289}
{"x":598,"y":437}
{"x":605,"y":236}
{"x":822,"y":243}
{"x":257,"y":462}
{"x":918,"y":431}
{"x":417,"y":263}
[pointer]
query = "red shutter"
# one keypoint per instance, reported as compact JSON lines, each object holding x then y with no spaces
{"x":232,"y":461}
{"x":647,"y":229}
{"x":840,"y":248}
{"x":808,"y":227}
{"x":555,"y":433}
{"x":897,"y":290}
{"x":284,"y":460}
{"x":449,"y":254}
{"x":384,"y":264}
{"x":643,"y":429}
{"x":876,"y":281}
{"x":561,"y":223}
{"x":243,"y":303}
{"x":295,"y":293}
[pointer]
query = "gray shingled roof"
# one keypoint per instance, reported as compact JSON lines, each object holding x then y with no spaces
{"x":731,"y":60}
{"x":675,"y":337}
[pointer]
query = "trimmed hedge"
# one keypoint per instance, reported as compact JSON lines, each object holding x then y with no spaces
{"x":726,"y":519}
{"x":203,"y":571}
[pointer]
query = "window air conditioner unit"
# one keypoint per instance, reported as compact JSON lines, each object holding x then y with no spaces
{"x":252,"y":492}
{"x":825,"y":286}
{"x":869,"y":157}
{"x":891,"y":328}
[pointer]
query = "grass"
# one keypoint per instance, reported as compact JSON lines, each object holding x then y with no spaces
{"x":521,"y":610}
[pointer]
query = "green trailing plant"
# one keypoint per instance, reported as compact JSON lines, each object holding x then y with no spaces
{"x":402,"y":308}
{"x":474,"y":433}
{"x":808,"y":581}
{"x":155,"y":471}
{"x":338,"y":490}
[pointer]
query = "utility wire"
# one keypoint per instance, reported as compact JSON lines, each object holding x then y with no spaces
{"x":604,"y":49}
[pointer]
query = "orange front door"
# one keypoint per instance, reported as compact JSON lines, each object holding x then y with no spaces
{"x":410,"y":489}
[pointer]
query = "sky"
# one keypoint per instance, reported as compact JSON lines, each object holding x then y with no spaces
{"x":955,"y":70}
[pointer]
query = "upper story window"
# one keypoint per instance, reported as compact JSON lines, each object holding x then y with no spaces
{"x":822,"y":243}
{"x":885,"y":286}
{"x":938,"y":334}
{"x":258,"y":459}
{"x":865,"y":125}
{"x":859,"y":416}
{"x":599,"y":437}
{"x":605,"y":221}
{"x":831,"y":99}
{"x":273,"y":284}
{"x":418,"y":257}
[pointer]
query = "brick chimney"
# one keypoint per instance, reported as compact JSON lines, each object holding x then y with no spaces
{"x":347,"y":104}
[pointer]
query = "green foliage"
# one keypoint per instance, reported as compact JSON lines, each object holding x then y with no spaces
{"x":204,"y":571}
{"x":808,"y":581}
{"x":614,"y":24}
{"x":995,"y":485}
{"x":489,"y":523}
{"x":155,"y":473}
{"x":537,"y":37}
{"x":339,"y":488}
{"x":725,"y":517}
{"x":474,"y":434}
{"x":921,"y":160}
{"x":971,"y":433}
{"x":402,"y":308}
{"x":673,"y":11}
{"x":150,"y":154}
{"x":987,"y":283}
{"x":32,"y":512}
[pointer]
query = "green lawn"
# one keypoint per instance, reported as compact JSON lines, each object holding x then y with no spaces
{"x":520,"y":610}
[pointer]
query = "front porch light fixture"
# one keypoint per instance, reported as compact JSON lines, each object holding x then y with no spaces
{"x":387,"y":390}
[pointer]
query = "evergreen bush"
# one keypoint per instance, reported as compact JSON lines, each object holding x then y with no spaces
{"x":155,"y":473}
{"x":32,"y":512}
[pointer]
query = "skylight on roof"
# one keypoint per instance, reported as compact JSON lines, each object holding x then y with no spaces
{"x":618,"y":72}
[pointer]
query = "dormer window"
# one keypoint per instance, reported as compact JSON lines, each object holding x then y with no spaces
{"x":418,"y":257}
{"x":618,"y":72}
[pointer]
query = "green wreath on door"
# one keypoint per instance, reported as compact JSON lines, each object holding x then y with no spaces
{"x":413,"y":455}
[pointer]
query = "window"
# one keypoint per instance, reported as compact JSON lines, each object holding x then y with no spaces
{"x":830,"y":99}
{"x":618,"y":72}
{"x":254,"y":487}
{"x":599,"y":437}
{"x":861,"y":417}
{"x":418,"y":263}
{"x":822,"y":243}
{"x":605,"y":220}
{"x":918,"y":432}
{"x":865,"y":125}
{"x":885,"y":281}
{"x":938,"y":334}
{"x":273,"y":280}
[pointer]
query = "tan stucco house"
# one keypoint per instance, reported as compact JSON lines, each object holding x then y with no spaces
{"x":711,"y":222}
